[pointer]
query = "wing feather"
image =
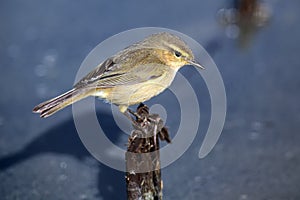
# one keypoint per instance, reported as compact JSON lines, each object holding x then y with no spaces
{"x":136,"y":75}
{"x":116,"y":71}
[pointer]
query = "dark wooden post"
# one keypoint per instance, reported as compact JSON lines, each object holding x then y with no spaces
{"x":143,"y":176}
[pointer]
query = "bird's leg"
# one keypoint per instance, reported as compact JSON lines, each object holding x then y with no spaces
{"x":140,"y":117}
{"x":139,"y":120}
{"x":127,"y":114}
{"x":134,"y":114}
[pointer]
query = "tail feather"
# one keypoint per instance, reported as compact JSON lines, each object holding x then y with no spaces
{"x":51,"y":106}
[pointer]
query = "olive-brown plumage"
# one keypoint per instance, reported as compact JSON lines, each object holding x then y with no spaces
{"x":132,"y":76}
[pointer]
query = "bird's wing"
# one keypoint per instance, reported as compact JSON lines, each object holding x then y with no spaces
{"x":113,"y":66}
{"x":117,"y":71}
{"x":138,"y":74}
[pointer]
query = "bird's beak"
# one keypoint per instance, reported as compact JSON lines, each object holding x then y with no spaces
{"x":196,"y":64}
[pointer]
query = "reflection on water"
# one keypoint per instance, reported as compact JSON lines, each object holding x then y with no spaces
{"x":41,"y":70}
{"x":45,"y":70}
{"x":41,"y":90}
{"x":243,"y":19}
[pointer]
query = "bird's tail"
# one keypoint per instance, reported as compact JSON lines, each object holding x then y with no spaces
{"x":51,"y":106}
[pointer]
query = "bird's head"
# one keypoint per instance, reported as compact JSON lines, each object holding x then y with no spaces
{"x":172,"y":50}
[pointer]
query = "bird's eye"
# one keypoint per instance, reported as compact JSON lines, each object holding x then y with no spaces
{"x":177,"y":54}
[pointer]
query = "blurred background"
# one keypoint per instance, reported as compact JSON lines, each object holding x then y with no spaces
{"x":255,"y":45}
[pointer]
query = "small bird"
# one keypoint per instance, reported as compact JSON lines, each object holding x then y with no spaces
{"x":134,"y":75}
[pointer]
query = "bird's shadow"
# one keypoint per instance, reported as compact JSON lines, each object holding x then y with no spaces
{"x":64,"y":140}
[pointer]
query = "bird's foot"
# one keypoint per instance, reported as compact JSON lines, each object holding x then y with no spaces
{"x":141,"y":117}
